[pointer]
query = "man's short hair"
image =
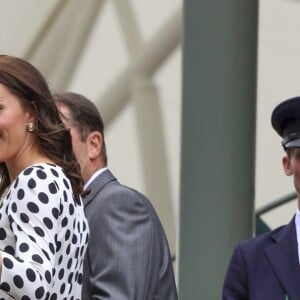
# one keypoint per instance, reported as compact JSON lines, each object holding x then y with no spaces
{"x":85,"y":116}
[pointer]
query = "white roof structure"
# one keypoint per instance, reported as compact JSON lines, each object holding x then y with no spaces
{"x":125,"y":56}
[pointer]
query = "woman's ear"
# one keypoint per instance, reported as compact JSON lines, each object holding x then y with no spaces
{"x":30,"y":113}
{"x":94,"y":144}
{"x":286,"y":162}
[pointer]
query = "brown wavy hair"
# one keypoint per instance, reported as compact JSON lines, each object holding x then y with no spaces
{"x":54,"y":140}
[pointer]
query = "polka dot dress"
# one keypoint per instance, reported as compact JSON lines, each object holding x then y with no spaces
{"x":43,"y":237}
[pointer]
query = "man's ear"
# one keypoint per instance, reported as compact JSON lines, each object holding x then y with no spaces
{"x":286,"y":162}
{"x":94,"y":144}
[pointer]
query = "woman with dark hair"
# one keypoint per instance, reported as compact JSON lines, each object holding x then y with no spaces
{"x":43,"y":230}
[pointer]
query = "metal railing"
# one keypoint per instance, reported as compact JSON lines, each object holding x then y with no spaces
{"x":261,"y":226}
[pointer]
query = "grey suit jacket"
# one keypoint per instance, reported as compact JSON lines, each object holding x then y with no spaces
{"x":128,"y":255}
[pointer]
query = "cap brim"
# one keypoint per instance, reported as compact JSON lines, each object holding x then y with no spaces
{"x":295,"y":143}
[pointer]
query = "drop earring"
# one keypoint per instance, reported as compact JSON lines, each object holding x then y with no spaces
{"x":30,"y":127}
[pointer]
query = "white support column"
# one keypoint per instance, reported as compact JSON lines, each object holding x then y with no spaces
{"x":149,"y":126}
{"x":153,"y":153}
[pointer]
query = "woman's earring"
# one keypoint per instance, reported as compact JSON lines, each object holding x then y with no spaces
{"x":30,"y":127}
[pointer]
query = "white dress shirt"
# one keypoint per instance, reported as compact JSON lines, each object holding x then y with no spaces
{"x":297,"y":223}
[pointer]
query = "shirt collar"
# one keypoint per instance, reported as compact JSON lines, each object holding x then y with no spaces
{"x":98,"y":172}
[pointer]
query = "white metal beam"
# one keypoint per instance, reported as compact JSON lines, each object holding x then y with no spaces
{"x":129,"y":27}
{"x":147,"y":62}
{"x":57,"y":47}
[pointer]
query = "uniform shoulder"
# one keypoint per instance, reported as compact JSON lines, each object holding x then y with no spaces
{"x":261,"y":240}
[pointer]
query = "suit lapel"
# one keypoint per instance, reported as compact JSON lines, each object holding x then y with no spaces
{"x":283,"y":255}
{"x":97,"y":184}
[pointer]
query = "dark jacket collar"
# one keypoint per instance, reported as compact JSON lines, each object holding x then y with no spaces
{"x":283,"y":256}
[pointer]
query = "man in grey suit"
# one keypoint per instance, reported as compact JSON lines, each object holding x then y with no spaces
{"x":128,"y":256}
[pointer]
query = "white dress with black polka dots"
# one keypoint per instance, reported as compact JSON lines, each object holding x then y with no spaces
{"x":43,"y":237}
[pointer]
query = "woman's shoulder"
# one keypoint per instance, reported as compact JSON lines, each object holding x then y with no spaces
{"x":42,"y":170}
{"x":39,"y":173}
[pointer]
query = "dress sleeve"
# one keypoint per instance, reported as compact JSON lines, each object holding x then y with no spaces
{"x":33,"y":217}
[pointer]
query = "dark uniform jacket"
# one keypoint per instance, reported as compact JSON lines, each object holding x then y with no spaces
{"x":265,"y":267}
